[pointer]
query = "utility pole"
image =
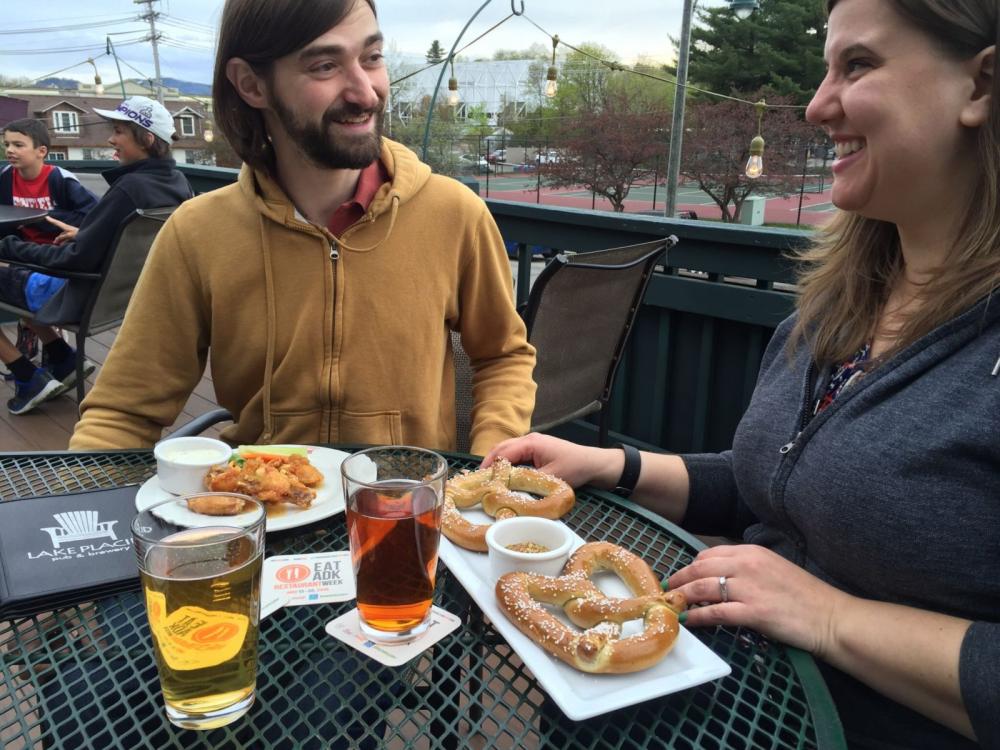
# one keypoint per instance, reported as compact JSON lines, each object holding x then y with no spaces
{"x":677,"y":126}
{"x":150,"y":16}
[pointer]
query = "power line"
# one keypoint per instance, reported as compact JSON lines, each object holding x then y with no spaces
{"x":70,"y":27}
{"x":190,"y":24}
{"x":61,"y":50}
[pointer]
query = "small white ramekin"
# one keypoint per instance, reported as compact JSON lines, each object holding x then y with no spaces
{"x":552,"y":534}
{"x":185,"y":475}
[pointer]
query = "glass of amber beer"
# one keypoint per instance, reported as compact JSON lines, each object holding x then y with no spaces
{"x":394,"y":496}
{"x":201,"y":582}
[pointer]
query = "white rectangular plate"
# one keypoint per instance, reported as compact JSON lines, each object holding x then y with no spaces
{"x":578,"y":694}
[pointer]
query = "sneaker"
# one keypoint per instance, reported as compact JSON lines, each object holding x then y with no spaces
{"x":27,"y":396}
{"x":65,"y":371}
{"x":27,"y":341}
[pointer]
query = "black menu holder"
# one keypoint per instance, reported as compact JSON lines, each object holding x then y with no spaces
{"x":59,"y":550}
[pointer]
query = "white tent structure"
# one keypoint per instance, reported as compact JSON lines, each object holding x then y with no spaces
{"x":492,"y":85}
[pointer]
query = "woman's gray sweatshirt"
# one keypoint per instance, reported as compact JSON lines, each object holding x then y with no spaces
{"x":892,"y":493}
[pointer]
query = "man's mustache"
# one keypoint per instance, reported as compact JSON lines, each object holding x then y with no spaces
{"x":350,"y":112}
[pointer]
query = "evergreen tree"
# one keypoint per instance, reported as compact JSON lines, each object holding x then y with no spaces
{"x":779,"y":49}
{"x":435,"y":54}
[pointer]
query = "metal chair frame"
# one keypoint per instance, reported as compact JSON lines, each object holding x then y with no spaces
{"x":646,"y":255}
{"x":111,"y":284}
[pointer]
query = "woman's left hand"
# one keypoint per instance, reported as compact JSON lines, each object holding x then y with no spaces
{"x":763,"y":591}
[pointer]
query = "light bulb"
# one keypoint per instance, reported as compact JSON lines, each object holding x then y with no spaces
{"x":755,"y":164}
{"x":209,"y":134}
{"x":453,"y":92}
{"x":551,"y":85}
{"x":99,"y":88}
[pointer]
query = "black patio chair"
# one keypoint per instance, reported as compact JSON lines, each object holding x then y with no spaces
{"x":110,"y":287}
{"x":463,"y":394}
{"x":579,"y":315}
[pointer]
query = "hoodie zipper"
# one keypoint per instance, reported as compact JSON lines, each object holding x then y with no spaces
{"x":334,"y":250}
{"x":803,"y":419}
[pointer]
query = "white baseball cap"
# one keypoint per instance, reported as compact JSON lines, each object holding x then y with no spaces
{"x":145,"y":113}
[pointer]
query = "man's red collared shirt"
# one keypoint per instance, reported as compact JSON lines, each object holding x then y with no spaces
{"x":371,"y":179}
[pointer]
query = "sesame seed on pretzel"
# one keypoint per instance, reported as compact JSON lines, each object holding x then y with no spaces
{"x":494,"y":489}
{"x":599,"y":648}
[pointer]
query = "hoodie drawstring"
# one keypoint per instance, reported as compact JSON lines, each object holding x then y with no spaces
{"x":392,"y":222}
{"x":270,"y":315}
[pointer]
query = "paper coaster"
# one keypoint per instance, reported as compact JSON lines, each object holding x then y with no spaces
{"x":347,"y":629}
{"x":271,"y":604}
{"x":309,"y":579}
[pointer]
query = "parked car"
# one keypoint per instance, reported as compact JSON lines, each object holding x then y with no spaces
{"x":549,"y":157}
{"x":474,"y":163}
{"x":500,"y":155}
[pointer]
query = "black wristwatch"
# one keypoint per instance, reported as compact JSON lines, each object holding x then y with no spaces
{"x":630,"y":474}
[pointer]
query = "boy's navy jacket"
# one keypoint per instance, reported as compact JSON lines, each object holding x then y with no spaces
{"x":149,"y":183}
{"x":71,"y":200}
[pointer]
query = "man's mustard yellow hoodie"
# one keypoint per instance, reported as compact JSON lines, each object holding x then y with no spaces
{"x":317,"y":339}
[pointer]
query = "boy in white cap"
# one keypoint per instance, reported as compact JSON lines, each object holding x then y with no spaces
{"x":147,"y":178}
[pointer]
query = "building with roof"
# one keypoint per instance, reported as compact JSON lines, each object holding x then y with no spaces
{"x":494,"y":87}
{"x":78,"y":133}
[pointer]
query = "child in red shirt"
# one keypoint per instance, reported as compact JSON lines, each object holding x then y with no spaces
{"x":29,"y":182}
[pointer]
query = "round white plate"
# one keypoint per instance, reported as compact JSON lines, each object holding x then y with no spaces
{"x":329,"y":498}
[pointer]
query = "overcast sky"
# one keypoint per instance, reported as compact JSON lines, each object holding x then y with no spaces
{"x":631,"y":28}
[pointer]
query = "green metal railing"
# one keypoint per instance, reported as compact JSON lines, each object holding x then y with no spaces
{"x":692,"y":361}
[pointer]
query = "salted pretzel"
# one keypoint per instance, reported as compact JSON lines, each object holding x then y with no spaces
{"x":600,"y":648}
{"x":494,"y":489}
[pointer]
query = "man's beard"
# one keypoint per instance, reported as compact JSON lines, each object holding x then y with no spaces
{"x":321,"y":146}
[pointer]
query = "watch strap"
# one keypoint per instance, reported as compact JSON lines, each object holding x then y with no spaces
{"x":630,"y":472}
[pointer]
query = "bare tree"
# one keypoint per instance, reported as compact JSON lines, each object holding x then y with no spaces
{"x":608,"y":149}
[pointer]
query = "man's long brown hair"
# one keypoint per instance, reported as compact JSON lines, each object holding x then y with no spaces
{"x":852,"y":266}
{"x":260,"y":32}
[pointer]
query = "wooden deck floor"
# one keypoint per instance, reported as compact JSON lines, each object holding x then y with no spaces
{"x":50,"y":425}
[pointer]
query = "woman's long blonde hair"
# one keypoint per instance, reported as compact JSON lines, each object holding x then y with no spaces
{"x":850,"y":268}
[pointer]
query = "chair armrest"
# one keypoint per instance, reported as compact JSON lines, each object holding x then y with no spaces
{"x":59,"y":272}
{"x":199,"y":424}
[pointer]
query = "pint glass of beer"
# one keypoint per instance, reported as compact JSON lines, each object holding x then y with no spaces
{"x":394,"y":496}
{"x":201,"y":582}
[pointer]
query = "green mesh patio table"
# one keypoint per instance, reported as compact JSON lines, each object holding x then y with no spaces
{"x":83,"y":677}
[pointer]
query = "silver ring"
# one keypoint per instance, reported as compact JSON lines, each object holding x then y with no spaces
{"x":723,"y":589}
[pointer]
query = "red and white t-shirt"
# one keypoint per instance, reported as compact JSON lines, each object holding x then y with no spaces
{"x":34,"y":194}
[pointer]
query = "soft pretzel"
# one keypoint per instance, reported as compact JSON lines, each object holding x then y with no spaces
{"x":494,"y":489}
{"x":599,"y":648}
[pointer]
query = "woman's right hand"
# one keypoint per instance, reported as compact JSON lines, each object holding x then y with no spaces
{"x":576,"y":464}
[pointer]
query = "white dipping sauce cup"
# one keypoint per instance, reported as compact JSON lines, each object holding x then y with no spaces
{"x":182,"y":463}
{"x":552,"y":534}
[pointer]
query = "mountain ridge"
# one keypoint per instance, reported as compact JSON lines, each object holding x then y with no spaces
{"x":189,"y":88}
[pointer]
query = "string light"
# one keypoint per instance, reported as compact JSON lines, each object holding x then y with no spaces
{"x":741,"y":9}
{"x":552,"y":85}
{"x":98,"y":84}
{"x":452,"y":87}
{"x":755,"y":164}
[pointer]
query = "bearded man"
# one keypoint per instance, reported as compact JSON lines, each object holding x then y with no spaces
{"x":324,"y":284}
